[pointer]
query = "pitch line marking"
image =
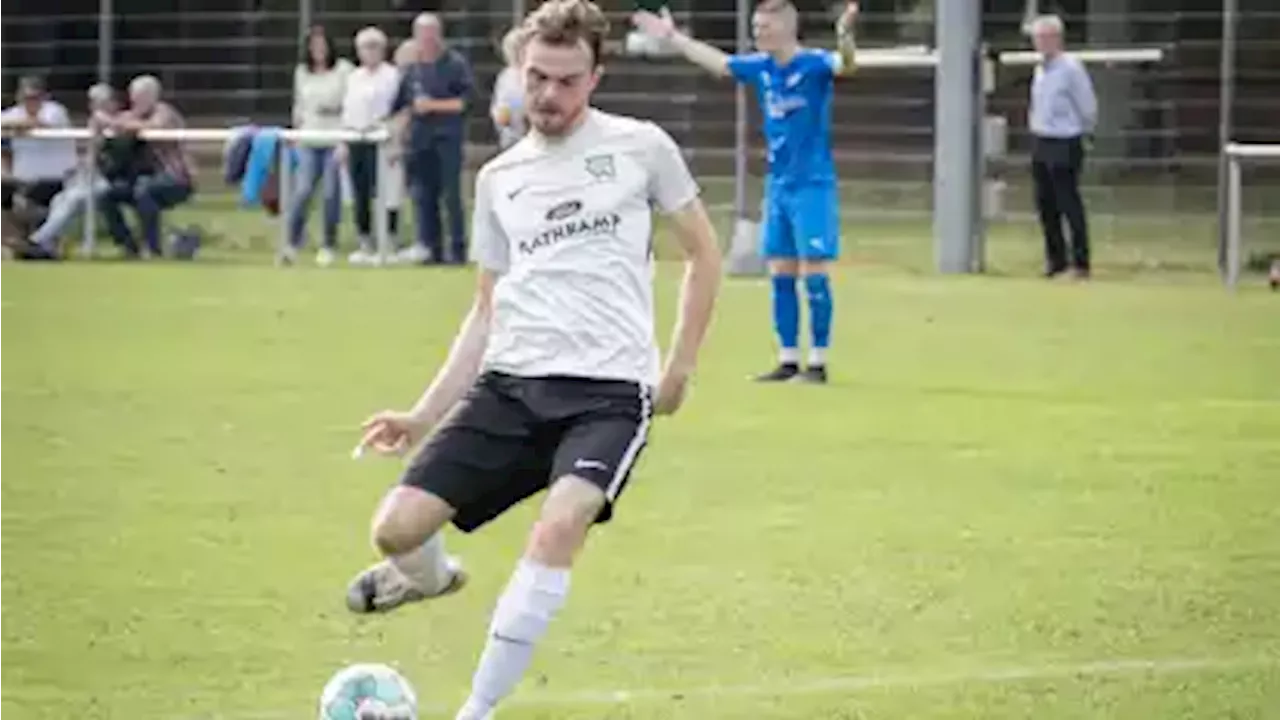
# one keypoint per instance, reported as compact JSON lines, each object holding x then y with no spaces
{"x":848,"y":684}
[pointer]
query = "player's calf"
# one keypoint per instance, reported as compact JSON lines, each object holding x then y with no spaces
{"x":535,"y":594}
{"x":407,"y":531}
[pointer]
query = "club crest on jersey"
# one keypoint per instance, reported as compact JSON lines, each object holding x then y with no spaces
{"x":600,"y":167}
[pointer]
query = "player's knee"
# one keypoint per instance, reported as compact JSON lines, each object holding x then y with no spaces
{"x":781,"y":266}
{"x":571,"y":508}
{"x":406,"y":518}
{"x":814,"y":268}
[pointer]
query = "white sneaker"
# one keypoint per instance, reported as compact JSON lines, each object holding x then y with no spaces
{"x":362,"y":257}
{"x":382,"y":588}
{"x":415,"y":254}
{"x":287,"y":256}
{"x":325,"y":257}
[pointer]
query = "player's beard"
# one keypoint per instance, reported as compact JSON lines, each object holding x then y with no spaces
{"x":558,"y":121}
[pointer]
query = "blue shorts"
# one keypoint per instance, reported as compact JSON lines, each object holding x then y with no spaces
{"x":802,"y":223}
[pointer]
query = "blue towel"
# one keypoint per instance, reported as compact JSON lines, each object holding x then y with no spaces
{"x":262,"y":160}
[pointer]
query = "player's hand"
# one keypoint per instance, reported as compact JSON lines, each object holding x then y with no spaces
{"x":341,"y":153}
{"x":848,"y":17}
{"x":390,"y":432}
{"x":422,"y":105}
{"x":672,"y":389}
{"x":658,"y":25}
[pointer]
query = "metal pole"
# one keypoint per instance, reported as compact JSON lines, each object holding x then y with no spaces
{"x":1226,"y":102}
{"x":106,"y":40}
{"x":957,"y":89}
{"x":743,"y":35}
{"x":304,"y":17}
{"x":286,"y":192}
{"x":381,"y":179}
{"x":1233,"y":219}
{"x":517,"y":12}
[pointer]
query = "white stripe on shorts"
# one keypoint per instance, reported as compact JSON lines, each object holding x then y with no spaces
{"x":633,"y":449}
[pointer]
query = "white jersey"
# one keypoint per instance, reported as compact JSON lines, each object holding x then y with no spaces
{"x":569,"y":225}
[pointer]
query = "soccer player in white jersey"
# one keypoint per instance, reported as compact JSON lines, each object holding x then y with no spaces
{"x":555,"y":374}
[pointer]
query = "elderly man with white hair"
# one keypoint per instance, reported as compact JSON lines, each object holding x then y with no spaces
{"x":167,"y":179}
{"x":1063,"y":113}
{"x":434,"y":92}
{"x":370,"y":89}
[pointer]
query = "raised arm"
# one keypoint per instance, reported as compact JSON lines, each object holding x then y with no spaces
{"x":663,"y":27}
{"x":845,"y":46}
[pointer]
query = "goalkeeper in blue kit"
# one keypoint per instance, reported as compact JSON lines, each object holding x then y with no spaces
{"x":801,"y":214}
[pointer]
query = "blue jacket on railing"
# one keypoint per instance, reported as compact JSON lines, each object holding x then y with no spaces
{"x":261,"y":163}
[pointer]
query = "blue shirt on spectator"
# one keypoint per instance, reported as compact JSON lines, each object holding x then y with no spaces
{"x":1063,"y":104}
{"x":446,"y":78}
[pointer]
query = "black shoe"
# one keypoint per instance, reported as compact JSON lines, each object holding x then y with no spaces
{"x":1052,"y":273}
{"x":36,"y":252}
{"x":782,"y":373}
{"x":814,"y":375}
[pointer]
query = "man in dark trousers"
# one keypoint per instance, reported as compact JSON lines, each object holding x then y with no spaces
{"x":1064,"y":110}
{"x":434,"y":92}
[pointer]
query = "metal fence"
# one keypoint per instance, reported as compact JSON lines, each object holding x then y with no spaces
{"x":1152,"y":177}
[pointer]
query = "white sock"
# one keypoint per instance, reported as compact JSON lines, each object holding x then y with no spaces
{"x":532,"y":598}
{"x":789,"y":356}
{"x":818,"y":356}
{"x":426,"y":566}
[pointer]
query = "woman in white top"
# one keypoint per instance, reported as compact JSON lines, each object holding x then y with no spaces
{"x":506,"y":107}
{"x":319,"y":86}
{"x":370,"y":89}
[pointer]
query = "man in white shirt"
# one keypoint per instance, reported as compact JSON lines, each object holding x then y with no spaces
{"x":39,"y":166}
{"x":554,"y":378}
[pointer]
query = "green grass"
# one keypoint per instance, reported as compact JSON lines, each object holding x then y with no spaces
{"x":1012,"y":489}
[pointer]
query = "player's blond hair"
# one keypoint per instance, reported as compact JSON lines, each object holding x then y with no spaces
{"x":567,"y":23}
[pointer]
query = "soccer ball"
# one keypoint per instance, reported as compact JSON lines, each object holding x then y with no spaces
{"x":368,"y":692}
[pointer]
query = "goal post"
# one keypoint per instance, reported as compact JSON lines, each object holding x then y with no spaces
{"x":1232,"y":211}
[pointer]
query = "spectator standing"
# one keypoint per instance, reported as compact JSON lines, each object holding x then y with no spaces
{"x":434,"y":91}
{"x":370,"y":90}
{"x":39,"y":167}
{"x":506,"y":107}
{"x":1063,"y":113}
{"x":166,"y":178}
{"x":319,"y":87}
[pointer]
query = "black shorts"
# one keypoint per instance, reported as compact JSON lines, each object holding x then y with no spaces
{"x":39,"y":192}
{"x":510,"y":437}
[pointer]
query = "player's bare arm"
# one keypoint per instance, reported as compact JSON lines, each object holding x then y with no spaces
{"x":846,"y":48}
{"x":663,"y":26}
{"x":393,"y":432}
{"x":697,"y":238}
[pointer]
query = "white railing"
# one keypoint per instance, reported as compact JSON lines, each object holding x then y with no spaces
{"x":223,"y":135}
{"x":923,"y":57}
{"x":1237,"y":154}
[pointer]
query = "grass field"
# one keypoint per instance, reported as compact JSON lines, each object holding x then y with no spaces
{"x":1018,"y":499}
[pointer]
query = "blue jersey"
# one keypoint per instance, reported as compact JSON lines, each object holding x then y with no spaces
{"x":795,"y":100}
